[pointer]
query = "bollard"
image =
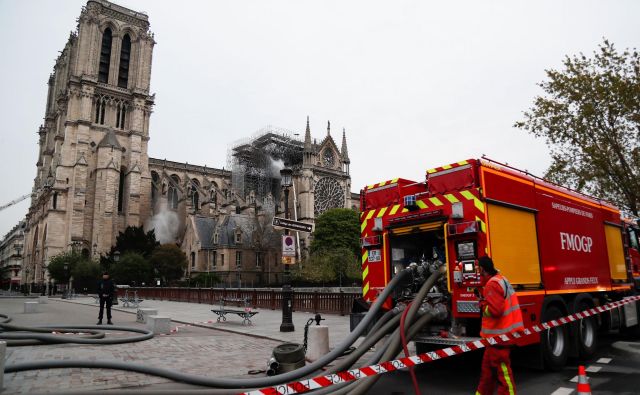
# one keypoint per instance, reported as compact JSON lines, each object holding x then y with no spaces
{"x":159,"y":324}
{"x":318,"y":342}
{"x":30,"y":307}
{"x":43,"y":299}
{"x":3,"y":352}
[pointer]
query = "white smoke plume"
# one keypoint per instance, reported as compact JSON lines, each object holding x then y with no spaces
{"x":165,"y":223}
{"x":276,"y":166}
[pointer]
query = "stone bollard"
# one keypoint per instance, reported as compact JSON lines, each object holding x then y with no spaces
{"x":3,"y":353}
{"x":318,"y":342}
{"x":142,"y":314}
{"x":43,"y":299}
{"x":159,"y":324}
{"x":30,"y":307}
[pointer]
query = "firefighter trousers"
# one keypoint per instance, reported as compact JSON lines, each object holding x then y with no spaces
{"x":496,"y":369}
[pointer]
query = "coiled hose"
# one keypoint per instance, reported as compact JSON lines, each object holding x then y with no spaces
{"x":231,"y":385}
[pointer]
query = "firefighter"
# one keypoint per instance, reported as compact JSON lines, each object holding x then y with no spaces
{"x":500,"y":314}
{"x":106,"y":292}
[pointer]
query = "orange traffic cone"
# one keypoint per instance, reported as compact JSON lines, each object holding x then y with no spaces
{"x":583,"y":382}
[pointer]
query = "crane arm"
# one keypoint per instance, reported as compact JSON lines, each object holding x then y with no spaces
{"x":14,"y":201}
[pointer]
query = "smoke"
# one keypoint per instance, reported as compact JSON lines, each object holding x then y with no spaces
{"x":165,"y":223}
{"x":276,"y":166}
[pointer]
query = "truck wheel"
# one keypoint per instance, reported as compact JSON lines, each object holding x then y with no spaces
{"x":587,"y":334}
{"x":288,"y":353}
{"x":554,"y":341}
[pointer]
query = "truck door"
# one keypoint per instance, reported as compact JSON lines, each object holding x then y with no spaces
{"x":514,"y":243}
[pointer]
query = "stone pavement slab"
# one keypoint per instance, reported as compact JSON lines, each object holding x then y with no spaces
{"x":265,"y":324}
{"x":214,"y":350}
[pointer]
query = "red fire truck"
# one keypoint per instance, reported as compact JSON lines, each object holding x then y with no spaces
{"x":562,"y":251}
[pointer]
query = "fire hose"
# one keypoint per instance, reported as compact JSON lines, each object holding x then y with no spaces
{"x":232,"y":385}
{"x":56,"y":334}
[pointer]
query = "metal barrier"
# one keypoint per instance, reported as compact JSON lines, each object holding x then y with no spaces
{"x":314,"y":302}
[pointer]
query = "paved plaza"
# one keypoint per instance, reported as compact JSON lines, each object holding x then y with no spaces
{"x":225,"y":349}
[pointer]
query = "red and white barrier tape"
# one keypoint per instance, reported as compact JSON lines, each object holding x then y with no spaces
{"x":306,"y":385}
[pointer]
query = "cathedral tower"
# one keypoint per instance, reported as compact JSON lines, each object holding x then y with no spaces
{"x":92,"y":172}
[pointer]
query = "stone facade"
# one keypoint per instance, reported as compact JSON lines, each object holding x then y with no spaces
{"x":94,"y":177}
{"x":11,"y":249}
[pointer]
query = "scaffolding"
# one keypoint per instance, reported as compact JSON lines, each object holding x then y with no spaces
{"x":256,"y":162}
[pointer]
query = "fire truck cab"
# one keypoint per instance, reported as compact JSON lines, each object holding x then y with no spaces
{"x":562,"y":251}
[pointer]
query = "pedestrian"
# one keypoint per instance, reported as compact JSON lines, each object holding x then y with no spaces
{"x":106,"y":292}
{"x":500,"y":314}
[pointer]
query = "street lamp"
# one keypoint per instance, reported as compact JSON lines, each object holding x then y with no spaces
{"x":116,"y":256}
{"x":27,"y":278}
{"x":287,"y":317}
{"x":65,"y":266}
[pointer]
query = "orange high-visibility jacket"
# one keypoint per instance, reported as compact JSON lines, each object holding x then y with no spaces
{"x":501,"y":312}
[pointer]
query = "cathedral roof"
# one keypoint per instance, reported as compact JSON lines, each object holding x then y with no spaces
{"x":110,"y":140}
{"x":205,"y":228}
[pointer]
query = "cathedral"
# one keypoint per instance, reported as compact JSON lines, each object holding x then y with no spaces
{"x":94,"y":177}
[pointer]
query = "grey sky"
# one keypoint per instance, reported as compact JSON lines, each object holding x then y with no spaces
{"x":416,"y":84}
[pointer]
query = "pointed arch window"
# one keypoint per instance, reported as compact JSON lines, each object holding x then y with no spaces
{"x":172,"y":195}
{"x":101,"y":107}
{"x":121,"y":111}
{"x":105,"y":56}
{"x":125,"y":56}
{"x":195,"y":196}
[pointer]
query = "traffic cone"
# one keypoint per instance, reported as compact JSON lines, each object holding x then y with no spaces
{"x":583,"y":382}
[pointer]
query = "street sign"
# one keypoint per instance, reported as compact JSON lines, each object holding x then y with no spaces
{"x":293,"y":225}
{"x":288,"y":246}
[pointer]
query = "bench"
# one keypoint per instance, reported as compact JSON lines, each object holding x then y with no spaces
{"x":128,"y":301}
{"x":245,"y":314}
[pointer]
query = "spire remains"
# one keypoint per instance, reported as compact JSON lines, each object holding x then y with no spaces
{"x":307,"y":137}
{"x":345,"y":152}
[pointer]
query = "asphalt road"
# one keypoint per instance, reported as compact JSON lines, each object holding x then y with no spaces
{"x":615,"y":369}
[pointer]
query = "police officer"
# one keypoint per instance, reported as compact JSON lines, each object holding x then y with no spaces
{"x":106,"y":292}
{"x":500,"y":314}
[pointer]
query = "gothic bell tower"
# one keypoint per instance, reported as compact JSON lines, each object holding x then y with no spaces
{"x":92,"y":176}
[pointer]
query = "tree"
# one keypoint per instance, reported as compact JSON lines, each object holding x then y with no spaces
{"x":338,"y":266}
{"x":335,"y":229}
{"x":589,"y":116}
{"x":132,"y":269}
{"x":56,"y":265}
{"x":86,"y":274}
{"x":169,"y":262}
{"x":134,"y":239}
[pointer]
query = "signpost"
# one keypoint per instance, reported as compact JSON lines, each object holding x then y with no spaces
{"x":293,"y":225}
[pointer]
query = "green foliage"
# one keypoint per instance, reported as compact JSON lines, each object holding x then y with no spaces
{"x":132,"y":268}
{"x":86,"y":274}
{"x":205,"y":280}
{"x":134,"y":239}
{"x":589,"y":116}
{"x":57,"y":263}
{"x":337,"y":229}
{"x":335,"y":267}
{"x":169,"y":262}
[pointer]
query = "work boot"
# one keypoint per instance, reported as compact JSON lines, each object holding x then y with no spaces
{"x":109,"y":322}
{"x":99,"y":322}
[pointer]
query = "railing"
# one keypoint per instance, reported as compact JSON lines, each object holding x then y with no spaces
{"x":314,"y":301}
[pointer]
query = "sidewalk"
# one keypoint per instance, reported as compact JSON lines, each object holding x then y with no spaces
{"x":226,"y":349}
{"x":265,"y":324}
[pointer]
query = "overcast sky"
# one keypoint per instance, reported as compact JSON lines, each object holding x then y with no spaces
{"x":416,"y":84}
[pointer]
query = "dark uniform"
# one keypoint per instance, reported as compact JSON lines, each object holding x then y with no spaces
{"x":106,"y":292}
